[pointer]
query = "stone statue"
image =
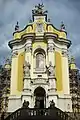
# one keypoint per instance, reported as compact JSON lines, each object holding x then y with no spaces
{"x":39,"y":9}
{"x":37,"y":104}
{"x":27,"y":67}
{"x":25,"y":104}
{"x":52,"y":104}
{"x":50,"y":70}
{"x":2,"y":116}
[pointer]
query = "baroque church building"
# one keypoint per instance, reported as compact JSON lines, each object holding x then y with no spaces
{"x":40,"y":68}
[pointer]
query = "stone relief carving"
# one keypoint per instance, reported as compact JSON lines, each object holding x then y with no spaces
{"x":50,"y":48}
{"x":27,"y":67}
{"x":50,"y":69}
{"x":14,"y":54}
{"x":65,"y":53}
{"x":39,"y":10}
{"x":28,"y":49}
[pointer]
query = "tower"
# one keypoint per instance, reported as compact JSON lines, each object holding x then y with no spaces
{"x":39,"y":72}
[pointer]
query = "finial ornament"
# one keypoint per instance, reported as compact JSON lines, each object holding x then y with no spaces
{"x":39,"y":10}
{"x":30,"y":21}
{"x":49,"y":20}
{"x":17,"y":26}
{"x":72,"y":59}
{"x":62,"y":27}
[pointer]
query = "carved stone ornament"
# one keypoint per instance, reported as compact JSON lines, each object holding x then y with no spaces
{"x":14,"y":54}
{"x":50,"y":69}
{"x":39,"y":10}
{"x":27,"y":67}
{"x":65,"y":53}
{"x":50,"y":48}
{"x":28,"y":49}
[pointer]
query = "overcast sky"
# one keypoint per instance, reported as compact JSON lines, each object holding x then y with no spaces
{"x":12,"y":11}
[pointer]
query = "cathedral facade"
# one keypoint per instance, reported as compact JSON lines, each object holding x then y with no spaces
{"x":39,"y":72}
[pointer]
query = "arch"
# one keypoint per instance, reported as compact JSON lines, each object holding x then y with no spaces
{"x":39,"y":91}
{"x":39,"y":49}
{"x":40,"y":97}
{"x":39,"y":59}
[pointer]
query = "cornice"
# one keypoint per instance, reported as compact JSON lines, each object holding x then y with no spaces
{"x":46,"y":36}
{"x":56,"y":39}
{"x":22,"y":40}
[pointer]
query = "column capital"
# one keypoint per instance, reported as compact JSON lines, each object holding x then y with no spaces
{"x":50,"y":48}
{"x":14,"y":53}
{"x":28,"y":49}
{"x":65,"y":53}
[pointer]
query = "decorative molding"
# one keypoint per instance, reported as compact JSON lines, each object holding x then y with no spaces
{"x":50,"y":48}
{"x":64,"y":53}
{"x":28,"y":49}
{"x":14,"y":54}
{"x":40,"y":81}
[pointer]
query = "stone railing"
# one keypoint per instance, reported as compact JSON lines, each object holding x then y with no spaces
{"x":35,"y":113}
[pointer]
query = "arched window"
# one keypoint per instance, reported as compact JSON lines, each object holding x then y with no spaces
{"x":39,"y":60}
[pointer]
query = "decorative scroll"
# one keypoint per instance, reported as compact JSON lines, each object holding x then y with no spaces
{"x":50,"y":48}
{"x":28,"y":49}
{"x":65,"y":53}
{"x":14,"y":54}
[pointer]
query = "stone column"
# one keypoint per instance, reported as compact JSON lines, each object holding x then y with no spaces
{"x":26,"y":95}
{"x":27,"y":65}
{"x":51,"y":51}
{"x":52,"y":95}
{"x":51,"y":68}
{"x":65,"y":70}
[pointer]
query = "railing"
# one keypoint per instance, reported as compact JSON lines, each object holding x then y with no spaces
{"x":47,"y":113}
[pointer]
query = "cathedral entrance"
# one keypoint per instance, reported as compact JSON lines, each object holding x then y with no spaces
{"x":40,"y":97}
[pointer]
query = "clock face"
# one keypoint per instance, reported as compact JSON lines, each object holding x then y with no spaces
{"x":39,"y":27}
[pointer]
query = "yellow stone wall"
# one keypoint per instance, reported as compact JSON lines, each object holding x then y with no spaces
{"x":58,"y":64}
{"x":20,"y":71}
{"x":17,"y":74}
{"x":14,"y":75}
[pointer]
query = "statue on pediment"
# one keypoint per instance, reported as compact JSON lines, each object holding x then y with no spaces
{"x":39,"y":9}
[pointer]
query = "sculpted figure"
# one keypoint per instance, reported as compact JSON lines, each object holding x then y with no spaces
{"x":39,"y":9}
{"x":52,"y":104}
{"x":50,"y":69}
{"x":25,"y":104}
{"x":27,"y":67}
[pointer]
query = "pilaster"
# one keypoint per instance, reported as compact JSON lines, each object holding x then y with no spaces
{"x":65,"y":72}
